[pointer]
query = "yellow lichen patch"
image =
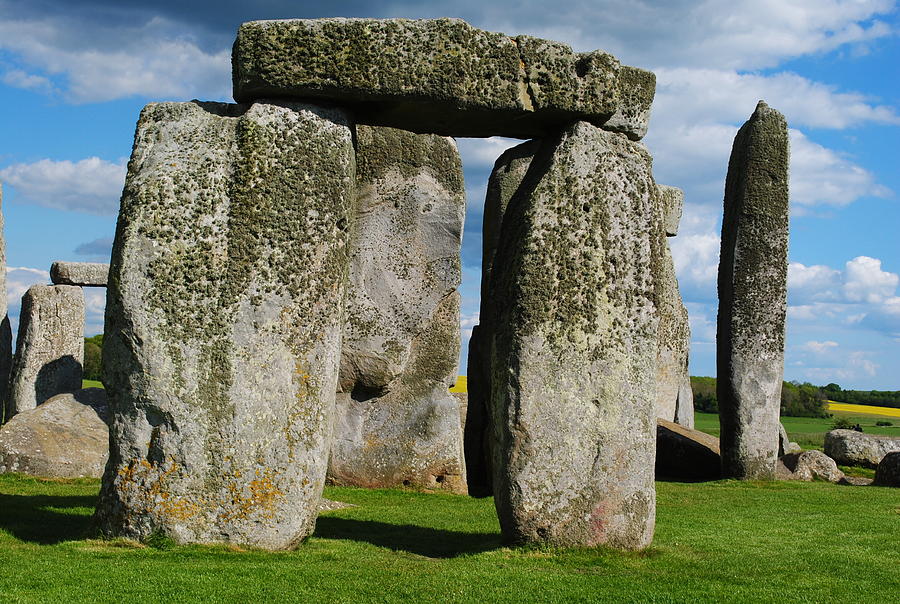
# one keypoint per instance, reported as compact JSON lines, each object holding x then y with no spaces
{"x":257,"y":498}
{"x":145,"y":483}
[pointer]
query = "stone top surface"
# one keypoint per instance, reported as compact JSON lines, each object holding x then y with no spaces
{"x":440,"y":75}
{"x":87,"y":274}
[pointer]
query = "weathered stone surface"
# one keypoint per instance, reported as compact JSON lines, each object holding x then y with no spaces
{"x":811,"y":465}
{"x":673,"y":346}
{"x":5,"y":330}
{"x":686,"y":454}
{"x":684,"y":406}
{"x":64,"y":437}
{"x":506,"y":177}
{"x":673,"y":206}
{"x":753,"y":296}
{"x":49,"y":347}
{"x":887,"y":474}
{"x":223,"y":322}
{"x":855,"y":481}
{"x":88,"y":274}
{"x":852,"y":448}
{"x":397,"y":424}
{"x":441,"y":76}
{"x":573,"y":345}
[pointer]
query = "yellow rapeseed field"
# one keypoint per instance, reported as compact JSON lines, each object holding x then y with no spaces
{"x":863,"y":409}
{"x":462,"y":384}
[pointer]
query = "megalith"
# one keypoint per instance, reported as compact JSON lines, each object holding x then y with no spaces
{"x":49,"y":346}
{"x":440,"y":76}
{"x":396,"y":422}
{"x":85,"y":274}
{"x":573,"y":345}
{"x":223,"y":322}
{"x":506,"y":177}
{"x":5,"y":329}
{"x":674,"y":399}
{"x":753,"y":296}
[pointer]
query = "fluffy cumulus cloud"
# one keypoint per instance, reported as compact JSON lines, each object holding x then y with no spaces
{"x":89,"y":60}
{"x":91,"y":185}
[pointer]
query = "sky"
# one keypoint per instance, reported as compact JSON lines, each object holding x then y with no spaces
{"x":74,"y":76}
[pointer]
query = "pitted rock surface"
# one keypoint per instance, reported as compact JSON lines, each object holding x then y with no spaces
{"x":812,"y":465}
{"x":753,"y":296}
{"x":852,"y":448}
{"x":224,"y":320}
{"x":86,"y":274}
{"x":397,"y":424}
{"x":5,"y":330}
{"x":49,"y":346}
{"x":440,"y":76}
{"x":887,"y":474}
{"x":506,"y":177}
{"x":673,"y":206}
{"x":574,"y":345}
{"x":674,"y":400}
{"x":65,"y":437}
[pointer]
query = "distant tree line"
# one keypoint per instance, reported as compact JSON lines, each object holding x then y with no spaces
{"x":797,"y":400}
{"x":879,"y":398}
{"x":93,"y":347}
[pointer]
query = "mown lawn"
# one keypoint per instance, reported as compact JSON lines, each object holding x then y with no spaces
{"x":715,"y":542}
{"x":809,"y":432}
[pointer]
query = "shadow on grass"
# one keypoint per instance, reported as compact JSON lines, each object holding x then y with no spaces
{"x":420,"y":540}
{"x":31,"y":518}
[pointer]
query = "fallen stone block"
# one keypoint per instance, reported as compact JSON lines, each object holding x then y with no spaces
{"x":65,"y":437}
{"x":85,"y":274}
{"x":686,"y":454}
{"x":852,"y":448}
{"x":440,"y":76}
{"x":887,"y":474}
{"x":223,"y":322}
{"x":811,"y":465}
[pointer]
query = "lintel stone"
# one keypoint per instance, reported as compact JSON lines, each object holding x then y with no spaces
{"x":85,"y":274}
{"x":440,"y":76}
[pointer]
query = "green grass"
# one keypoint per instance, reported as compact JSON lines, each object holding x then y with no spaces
{"x":720,"y":541}
{"x":808,"y":432}
{"x":91,"y":384}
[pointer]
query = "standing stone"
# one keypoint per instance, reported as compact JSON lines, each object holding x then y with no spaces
{"x":223,"y":322}
{"x":573,"y":346}
{"x":753,"y":296}
{"x":441,"y":76}
{"x":397,"y":423}
{"x":86,"y":274}
{"x":5,"y":330}
{"x":49,"y":347}
{"x":508,"y":173}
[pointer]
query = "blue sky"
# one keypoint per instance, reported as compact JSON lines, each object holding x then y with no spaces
{"x":74,"y":76}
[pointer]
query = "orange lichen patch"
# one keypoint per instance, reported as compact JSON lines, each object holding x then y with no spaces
{"x":258,"y":498}
{"x":145,"y":483}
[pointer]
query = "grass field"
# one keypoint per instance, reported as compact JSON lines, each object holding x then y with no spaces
{"x":715,"y":542}
{"x":91,"y":384}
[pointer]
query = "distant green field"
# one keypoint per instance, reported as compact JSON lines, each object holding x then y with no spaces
{"x":724,"y":541}
{"x":91,"y":384}
{"x":808,"y":432}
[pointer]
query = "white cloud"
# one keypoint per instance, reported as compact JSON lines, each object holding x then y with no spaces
{"x":466,"y":324}
{"x":90,"y":185}
{"x":866,"y":282}
{"x":821,"y":176}
{"x":20,"y":79}
{"x":481,"y":153}
{"x":155,"y":58}
{"x":819,"y":347}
